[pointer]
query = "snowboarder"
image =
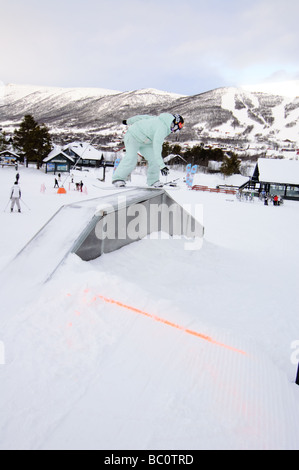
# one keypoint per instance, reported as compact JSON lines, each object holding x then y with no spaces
{"x":15,"y":197}
{"x":146,"y":135}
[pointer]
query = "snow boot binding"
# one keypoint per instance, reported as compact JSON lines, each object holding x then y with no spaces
{"x":119,"y":184}
{"x":157,"y":185}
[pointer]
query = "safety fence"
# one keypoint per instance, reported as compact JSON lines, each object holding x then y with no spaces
{"x":213,"y":190}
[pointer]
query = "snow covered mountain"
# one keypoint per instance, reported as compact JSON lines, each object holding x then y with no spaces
{"x":243,"y":115}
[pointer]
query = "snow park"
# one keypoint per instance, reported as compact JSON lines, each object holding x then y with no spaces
{"x":149,"y":201}
{"x":174,"y":341}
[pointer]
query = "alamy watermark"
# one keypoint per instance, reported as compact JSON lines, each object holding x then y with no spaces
{"x":129,"y":221}
{"x":2,"y":353}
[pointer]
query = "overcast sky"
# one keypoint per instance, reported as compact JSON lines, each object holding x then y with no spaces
{"x":181,"y":46}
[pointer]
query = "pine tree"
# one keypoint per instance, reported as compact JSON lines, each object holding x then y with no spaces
{"x":33,"y":140}
{"x":3,"y":142}
{"x":231,"y":165}
{"x":166,"y":149}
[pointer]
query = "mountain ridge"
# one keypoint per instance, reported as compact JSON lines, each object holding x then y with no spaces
{"x":229,"y":113}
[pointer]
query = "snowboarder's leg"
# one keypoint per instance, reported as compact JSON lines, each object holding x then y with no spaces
{"x":18,"y":204}
{"x":129,"y":162}
{"x":153,"y":171}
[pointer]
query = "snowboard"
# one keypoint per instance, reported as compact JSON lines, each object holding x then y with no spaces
{"x":116,"y":163}
{"x":191,"y":171}
{"x":170,"y":185}
{"x":125,"y":188}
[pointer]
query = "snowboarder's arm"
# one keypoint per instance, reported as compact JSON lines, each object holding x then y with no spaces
{"x":158,"y":146}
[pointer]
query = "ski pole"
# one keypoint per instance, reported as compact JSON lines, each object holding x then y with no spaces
{"x":25,"y":204}
{"x":7,"y":206}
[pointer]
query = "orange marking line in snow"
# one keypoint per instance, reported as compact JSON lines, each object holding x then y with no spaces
{"x":168,"y":323}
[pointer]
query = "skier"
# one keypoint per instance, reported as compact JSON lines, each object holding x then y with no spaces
{"x":146,"y":135}
{"x":15,"y":197}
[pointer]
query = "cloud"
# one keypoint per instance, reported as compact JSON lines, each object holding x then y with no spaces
{"x":135,"y":44}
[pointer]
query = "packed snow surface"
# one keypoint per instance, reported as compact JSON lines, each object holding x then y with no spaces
{"x":152,"y":346}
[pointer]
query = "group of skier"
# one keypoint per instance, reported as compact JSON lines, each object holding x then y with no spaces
{"x":276,"y":199}
{"x":264,"y":197}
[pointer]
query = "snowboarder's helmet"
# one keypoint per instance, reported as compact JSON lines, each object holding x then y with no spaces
{"x":178,"y":123}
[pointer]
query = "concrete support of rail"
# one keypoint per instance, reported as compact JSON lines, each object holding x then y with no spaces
{"x":130,"y":216}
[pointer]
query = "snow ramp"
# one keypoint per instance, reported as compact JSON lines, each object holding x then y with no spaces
{"x":96,"y":226}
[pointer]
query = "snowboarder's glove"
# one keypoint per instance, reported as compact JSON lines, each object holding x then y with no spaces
{"x":125,"y":122}
{"x":165,"y":171}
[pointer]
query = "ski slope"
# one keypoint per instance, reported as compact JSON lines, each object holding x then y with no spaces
{"x":153,"y":346}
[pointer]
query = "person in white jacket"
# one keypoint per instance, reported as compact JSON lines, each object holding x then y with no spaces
{"x":15,"y":197}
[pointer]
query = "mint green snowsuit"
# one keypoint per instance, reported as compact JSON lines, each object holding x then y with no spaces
{"x":146,"y":135}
